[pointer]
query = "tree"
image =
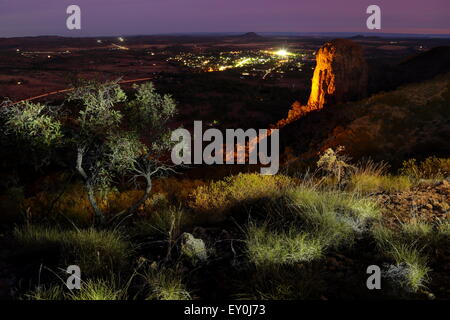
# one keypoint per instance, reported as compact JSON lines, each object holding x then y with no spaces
{"x":110,"y":135}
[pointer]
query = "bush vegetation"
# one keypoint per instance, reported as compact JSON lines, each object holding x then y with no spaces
{"x":268,"y":237}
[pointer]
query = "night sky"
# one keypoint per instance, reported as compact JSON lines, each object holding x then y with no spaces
{"x":124,"y":17}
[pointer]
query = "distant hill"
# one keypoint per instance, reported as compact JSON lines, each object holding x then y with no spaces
{"x":362,"y":37}
{"x":250,"y":35}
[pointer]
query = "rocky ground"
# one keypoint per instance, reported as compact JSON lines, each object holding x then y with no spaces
{"x":427,"y":202}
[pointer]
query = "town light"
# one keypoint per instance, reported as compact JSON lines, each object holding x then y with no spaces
{"x":282,"y":53}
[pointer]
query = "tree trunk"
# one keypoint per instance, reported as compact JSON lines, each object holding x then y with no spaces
{"x":145,"y":196}
{"x":98,"y":214}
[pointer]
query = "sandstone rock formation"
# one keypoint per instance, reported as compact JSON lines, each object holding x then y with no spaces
{"x":340,"y":74}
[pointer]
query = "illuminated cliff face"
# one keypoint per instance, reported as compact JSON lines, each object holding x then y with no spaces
{"x":340,"y":74}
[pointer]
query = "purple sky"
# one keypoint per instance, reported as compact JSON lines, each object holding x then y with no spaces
{"x":115,"y":17}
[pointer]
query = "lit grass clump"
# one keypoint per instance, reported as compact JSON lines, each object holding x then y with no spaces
{"x":165,"y":284}
{"x":337,"y":216}
{"x":404,"y":251}
{"x":98,"y":289}
{"x":265,"y":248}
{"x":416,"y":262}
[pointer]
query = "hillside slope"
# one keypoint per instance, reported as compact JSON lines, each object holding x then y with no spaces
{"x":412,"y":121}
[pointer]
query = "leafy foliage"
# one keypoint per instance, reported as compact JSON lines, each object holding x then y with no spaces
{"x":107,"y":144}
{"x":430,"y":168}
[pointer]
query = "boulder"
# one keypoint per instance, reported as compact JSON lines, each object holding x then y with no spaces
{"x":194,"y":249}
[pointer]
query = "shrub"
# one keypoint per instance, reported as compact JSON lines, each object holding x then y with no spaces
{"x":177,"y":190}
{"x":106,"y":136}
{"x":431,"y":168}
{"x":334,"y":163}
{"x":74,"y":204}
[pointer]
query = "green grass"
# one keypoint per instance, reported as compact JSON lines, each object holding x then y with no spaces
{"x":297,"y":230}
{"x":417,"y":230}
{"x":404,"y":250}
{"x":371,"y":177}
{"x":337,"y":216}
{"x":53,"y":292}
{"x":427,"y":234}
{"x":416,"y":262}
{"x":366,"y":183}
{"x":95,"y":251}
{"x":165,"y":284}
{"x":265,"y":248}
{"x":98,"y":289}
{"x":444,"y":229}
{"x":281,"y":283}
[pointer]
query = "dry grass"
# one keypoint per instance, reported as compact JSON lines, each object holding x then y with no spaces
{"x":220,"y":196}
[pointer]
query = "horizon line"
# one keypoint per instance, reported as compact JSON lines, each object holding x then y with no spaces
{"x":223,"y":33}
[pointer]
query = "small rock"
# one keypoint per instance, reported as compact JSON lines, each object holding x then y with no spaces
{"x":193,"y":248}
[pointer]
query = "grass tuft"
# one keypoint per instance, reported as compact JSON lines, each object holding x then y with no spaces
{"x":265,"y":248}
{"x":165,"y":284}
{"x":95,"y":251}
